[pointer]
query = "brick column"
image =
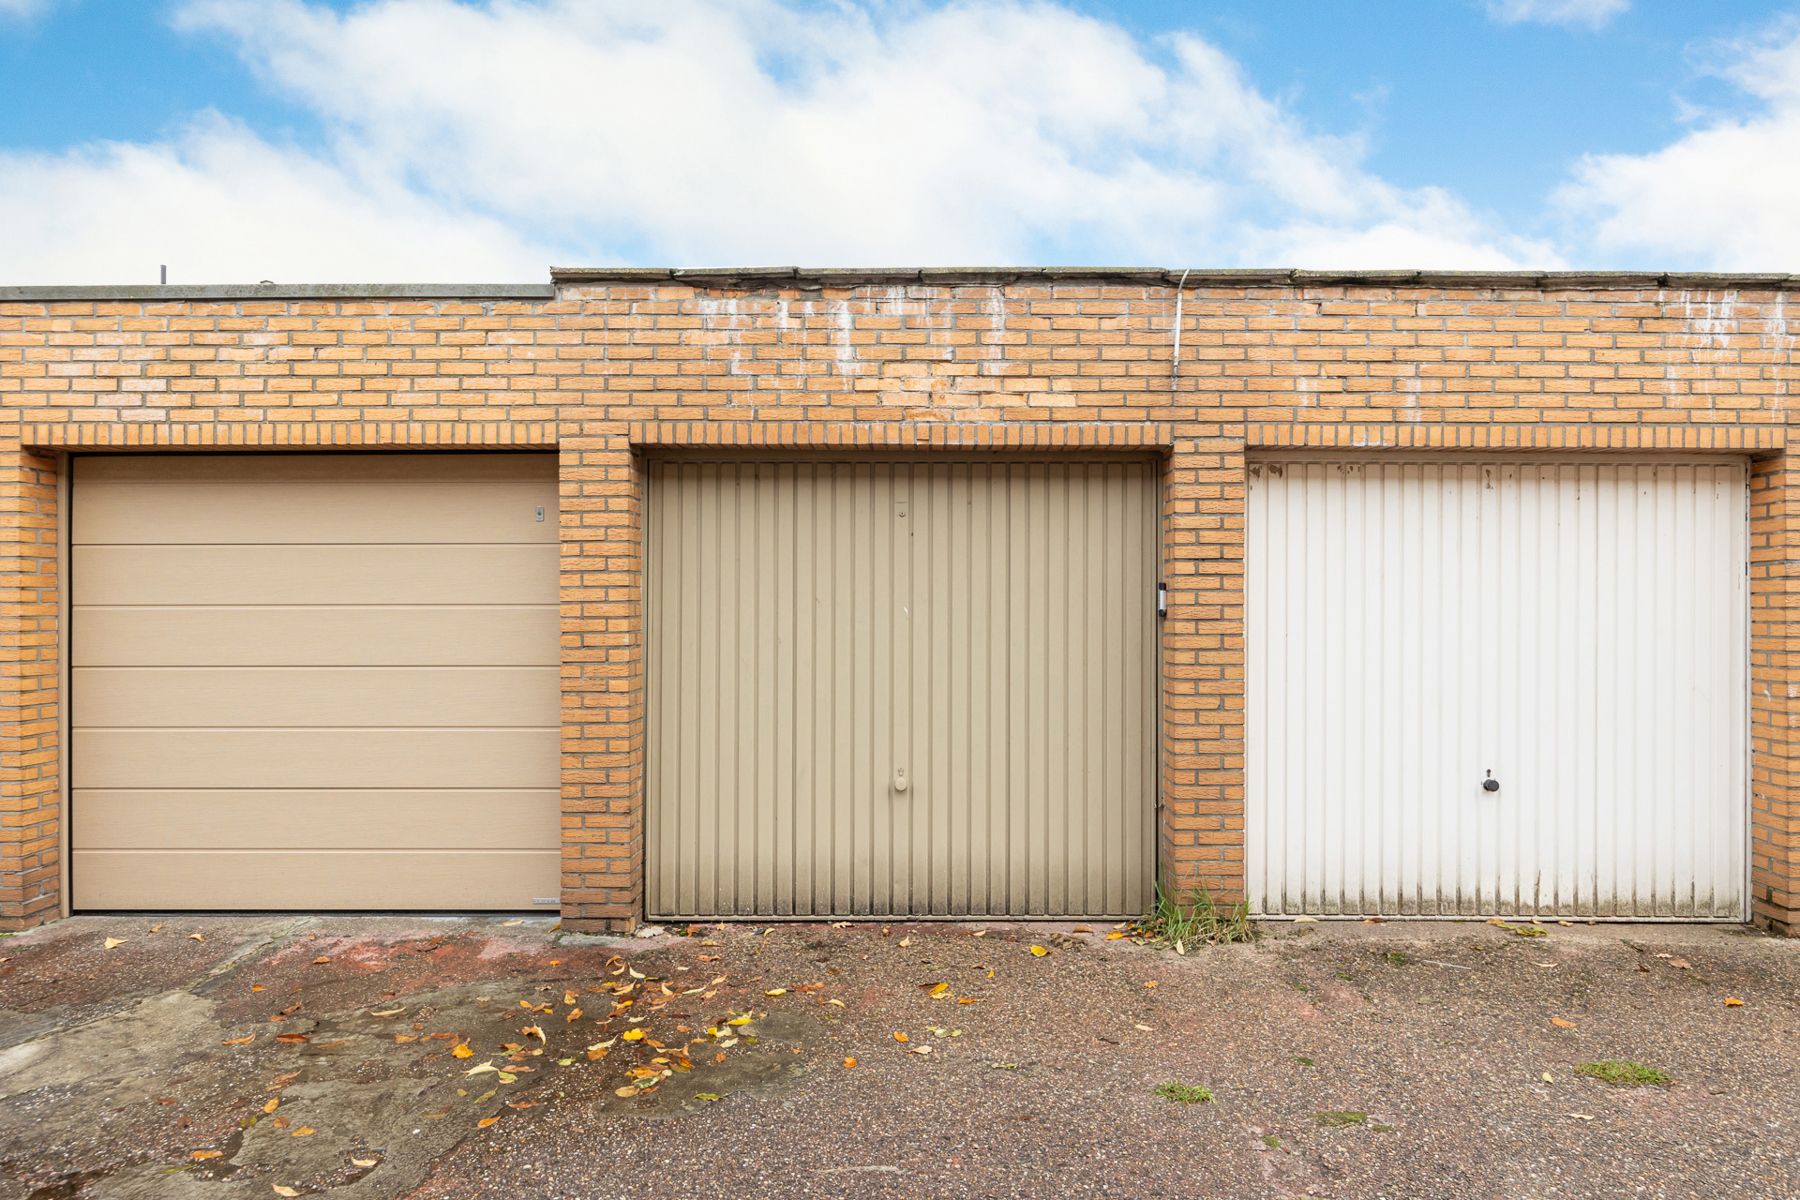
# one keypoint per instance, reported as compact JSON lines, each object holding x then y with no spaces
{"x":1775,"y":691}
{"x":30,"y":676}
{"x":1202,"y":830}
{"x":602,"y":684}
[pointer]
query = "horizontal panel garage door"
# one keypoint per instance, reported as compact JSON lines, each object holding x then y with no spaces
{"x":1486,"y":688}
{"x":901,"y":688}
{"x":314,"y":682}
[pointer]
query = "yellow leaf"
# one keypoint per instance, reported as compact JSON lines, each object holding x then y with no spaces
{"x":364,"y":1162}
{"x":979,"y":933}
{"x":1547,"y":1077}
{"x":243,"y":1041}
{"x":574,"y":1015}
{"x":203,"y":1155}
{"x":1038,"y":951}
{"x":272,"y":1105}
{"x":533,"y":1031}
{"x":849,"y":1064}
{"x":256,"y":987}
{"x":1114,"y":936}
{"x":1150,"y":983}
{"x":837,"y":1002}
{"x":282,"y":1190}
{"x":626,"y":1091}
{"x":776,"y":992}
{"x":1562,"y":1024}
{"x":1733,"y":1002}
{"x":461,"y":1050}
{"x":966,"y":1000}
{"x":568,"y":998}
{"x":633,"y":1035}
{"x":403,"y":1039}
{"x":485,"y":1122}
{"x":112,"y":942}
{"x":196,"y":937}
{"x":743,"y":1020}
{"x":939,"y":989}
{"x":514,"y":921}
{"x":905,"y":941}
{"x":901,"y":1037}
{"x":305,"y":1131}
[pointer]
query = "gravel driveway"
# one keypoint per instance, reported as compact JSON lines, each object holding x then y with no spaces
{"x":449,"y":1058}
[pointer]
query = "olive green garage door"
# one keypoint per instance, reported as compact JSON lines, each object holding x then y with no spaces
{"x":901,"y":687}
{"x":314,"y":682}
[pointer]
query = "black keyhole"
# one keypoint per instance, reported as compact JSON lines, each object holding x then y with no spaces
{"x":1490,"y":784}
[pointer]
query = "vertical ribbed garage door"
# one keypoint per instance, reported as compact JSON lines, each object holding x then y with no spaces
{"x":314,"y":682}
{"x":1575,"y":629}
{"x":901,"y":688}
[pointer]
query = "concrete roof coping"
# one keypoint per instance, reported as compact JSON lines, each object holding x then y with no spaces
{"x":282,"y":291}
{"x":808,"y":278}
{"x":1195,"y":277}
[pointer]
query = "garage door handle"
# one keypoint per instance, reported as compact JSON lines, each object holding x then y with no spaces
{"x":899,"y":779}
{"x":1490,"y":784}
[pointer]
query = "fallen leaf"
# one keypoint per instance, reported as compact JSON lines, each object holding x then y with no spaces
{"x":111,"y":942}
{"x":481,"y":1069}
{"x":568,"y":998}
{"x":156,"y":928}
{"x":1115,"y":935}
{"x":633,"y":1035}
{"x":304,"y":1131}
{"x":281,"y":1189}
{"x":967,"y":1000}
{"x":849,"y":1064}
{"x":534,"y":1031}
{"x":1038,"y":951}
{"x":901,"y":1037}
{"x":203,"y":1155}
{"x":918,"y":1049}
{"x":979,"y":933}
{"x":1681,"y":964}
{"x":387,"y":1012}
{"x":905,"y":941}
{"x":937,"y":989}
{"x":1562,"y":1024}
{"x":1547,"y":1077}
{"x":776,"y":992}
{"x":485,"y":1122}
{"x":256,"y":987}
{"x":840,"y":925}
{"x":272,"y":1105}
{"x":364,"y":1162}
{"x":514,"y":921}
{"x":837,"y":1002}
{"x":1150,"y":983}
{"x":1733,"y":1002}
{"x":574,"y":1015}
{"x":1145,"y":1028}
{"x":461,"y":1050}
{"x":626,"y":1091}
{"x":1579,"y":1116}
{"x":1306,"y":920}
{"x":192,"y":937}
{"x":292,"y":1039}
{"x":243,"y":1041}
{"x":403,"y":1039}
{"x":321,"y":960}
{"x":1081,"y":929}
{"x":709,"y":1097}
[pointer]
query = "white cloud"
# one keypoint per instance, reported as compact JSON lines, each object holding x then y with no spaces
{"x":218,"y":203}
{"x":1722,"y":195}
{"x":1591,"y":13}
{"x":467,"y":137}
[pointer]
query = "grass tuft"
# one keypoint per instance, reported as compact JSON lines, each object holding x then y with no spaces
{"x":1184,"y":1093}
{"x":1197,"y":921}
{"x":1338,"y":1119}
{"x":1622,"y":1072}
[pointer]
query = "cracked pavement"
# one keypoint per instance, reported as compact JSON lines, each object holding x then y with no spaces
{"x":318,"y":1056}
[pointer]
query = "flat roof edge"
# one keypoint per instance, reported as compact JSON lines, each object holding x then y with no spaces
{"x":1196,"y":277}
{"x":282,"y":291}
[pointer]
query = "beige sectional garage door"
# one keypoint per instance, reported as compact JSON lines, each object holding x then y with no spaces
{"x":901,"y":688}
{"x":314,"y":682}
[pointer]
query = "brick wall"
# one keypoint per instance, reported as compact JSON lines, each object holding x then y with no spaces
{"x":613,"y":364}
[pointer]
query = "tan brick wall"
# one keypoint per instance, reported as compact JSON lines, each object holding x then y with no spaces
{"x":607,"y":371}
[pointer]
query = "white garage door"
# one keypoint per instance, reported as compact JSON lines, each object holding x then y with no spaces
{"x":1573,"y":632}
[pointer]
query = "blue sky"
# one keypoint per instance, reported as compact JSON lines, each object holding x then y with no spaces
{"x":483,"y":139}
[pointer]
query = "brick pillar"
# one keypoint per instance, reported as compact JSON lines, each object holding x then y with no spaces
{"x":602,"y":685}
{"x":1775,"y":691}
{"x":30,"y":717}
{"x":1202,"y":835}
